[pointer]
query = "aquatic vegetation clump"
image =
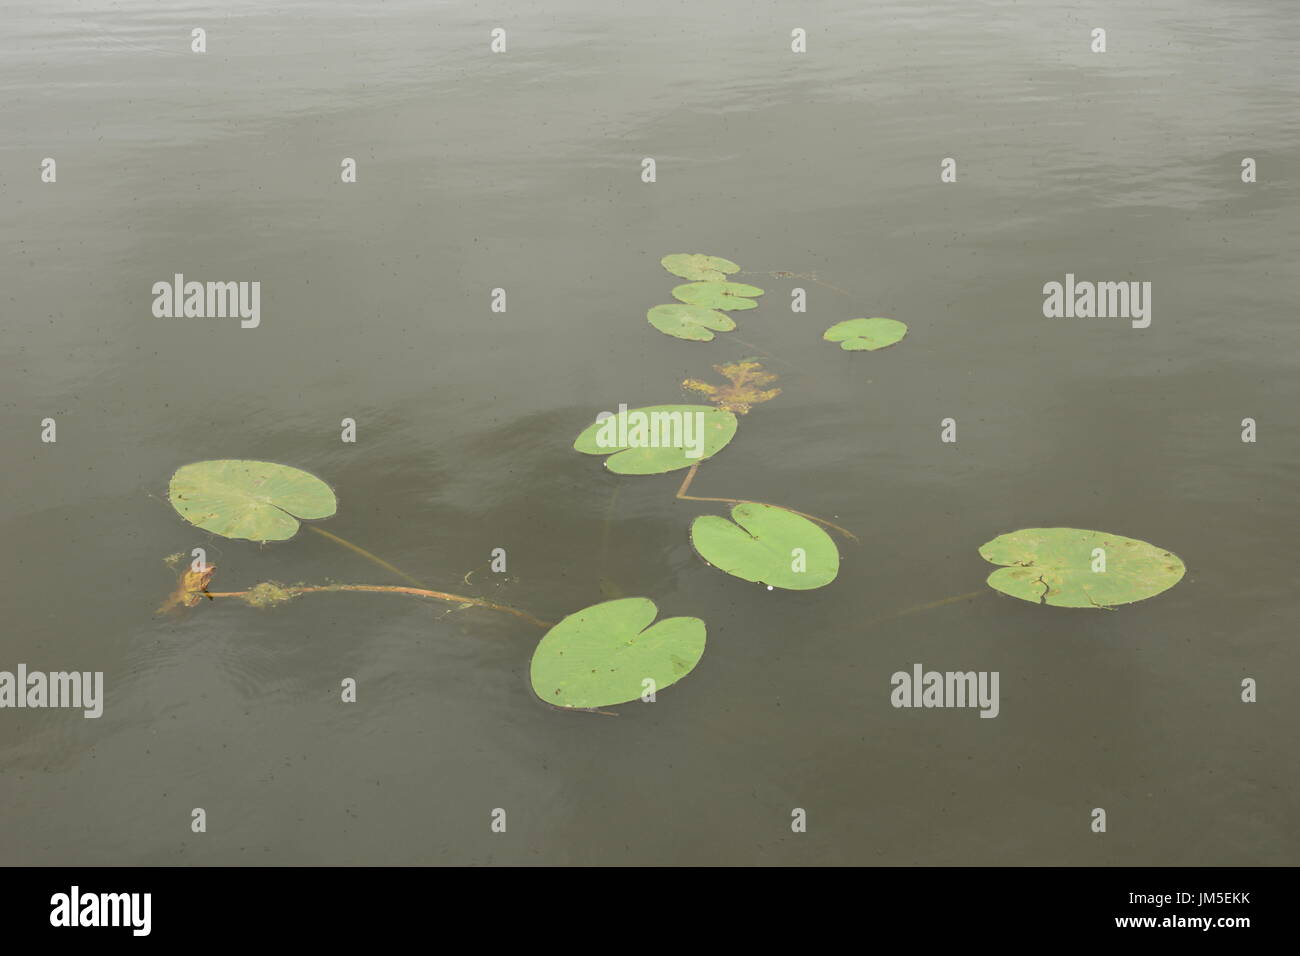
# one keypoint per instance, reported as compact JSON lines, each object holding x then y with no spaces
{"x":615,"y":652}
{"x":268,"y":594}
{"x":706,"y":299}
{"x":744,"y":391}
{"x":191,"y":587}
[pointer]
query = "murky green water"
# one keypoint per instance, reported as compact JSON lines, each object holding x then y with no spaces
{"x":522,"y":171}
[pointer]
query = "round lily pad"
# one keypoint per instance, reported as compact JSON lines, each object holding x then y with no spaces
{"x":1059,"y":566}
{"x":730,"y":296}
{"x":658,"y":438}
{"x":693,"y":322}
{"x":603,"y":654}
{"x":699,"y":267}
{"x":769,"y":545}
{"x":865,"y":335}
{"x":255,"y":500}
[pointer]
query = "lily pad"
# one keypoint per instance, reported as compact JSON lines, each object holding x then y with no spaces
{"x":693,"y":322}
{"x":1056,"y":566}
{"x":699,"y":267}
{"x":255,"y":500}
{"x":730,"y":296}
{"x":658,"y":438}
{"x":601,"y":655}
{"x":865,"y":335}
{"x":769,"y":545}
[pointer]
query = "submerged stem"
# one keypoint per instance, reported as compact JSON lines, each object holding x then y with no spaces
{"x":940,"y":603}
{"x":810,"y":276}
{"x":365,"y":554}
{"x":277,"y":594}
{"x":765,"y":354}
{"x":690,"y":476}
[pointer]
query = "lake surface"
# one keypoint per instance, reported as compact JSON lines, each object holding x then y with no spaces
{"x":522,"y":171}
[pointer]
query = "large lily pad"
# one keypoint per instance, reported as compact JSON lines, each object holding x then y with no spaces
{"x":693,"y":322}
{"x":657,"y":438}
{"x":601,"y":655}
{"x":729,"y":296}
{"x":256,"y":500}
{"x":699,"y":267}
{"x":865,"y":335}
{"x":769,"y":545}
{"x":1056,"y":566}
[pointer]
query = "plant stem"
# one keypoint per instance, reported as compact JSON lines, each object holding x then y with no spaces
{"x":608,"y":586}
{"x":605,"y":525}
{"x":365,"y":554}
{"x":393,"y":589}
{"x":810,"y":276}
{"x":690,"y":476}
{"x":940,"y":603}
{"x":767,"y":355}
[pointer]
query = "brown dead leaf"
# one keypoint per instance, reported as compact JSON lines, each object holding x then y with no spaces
{"x":190,"y":589}
{"x":745,"y":390}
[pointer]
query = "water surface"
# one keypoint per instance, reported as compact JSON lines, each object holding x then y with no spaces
{"x":521,"y":171}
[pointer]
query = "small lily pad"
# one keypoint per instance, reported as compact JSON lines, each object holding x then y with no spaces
{"x":658,"y":438}
{"x":254,"y":500}
{"x":1061,"y":567}
{"x":692,"y":322}
{"x":729,"y":296}
{"x":865,"y":335}
{"x":604,"y":654}
{"x":699,"y":267}
{"x":769,"y":545}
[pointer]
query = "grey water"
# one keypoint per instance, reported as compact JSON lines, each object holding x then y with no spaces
{"x":522,"y":170}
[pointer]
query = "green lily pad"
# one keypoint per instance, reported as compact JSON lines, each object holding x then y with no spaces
{"x":1055,"y":566}
{"x":256,"y":500}
{"x":699,"y":267}
{"x":764,"y":543}
{"x":858,"y":335}
{"x":601,"y":655}
{"x":658,"y":438}
{"x":731,"y":296}
{"x":693,"y":322}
